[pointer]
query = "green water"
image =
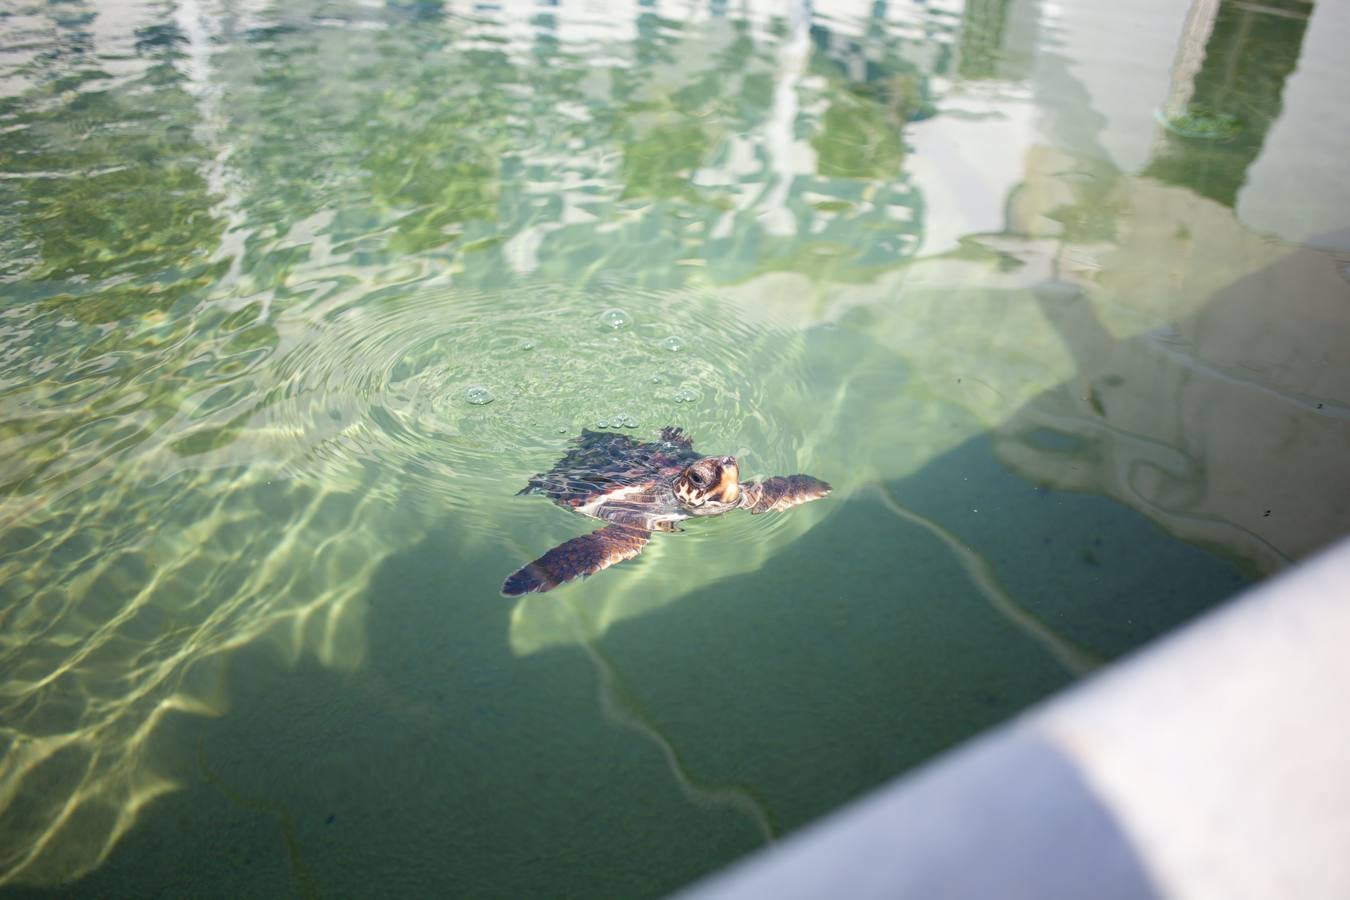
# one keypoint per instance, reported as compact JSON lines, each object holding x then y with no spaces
{"x":1064,"y":328}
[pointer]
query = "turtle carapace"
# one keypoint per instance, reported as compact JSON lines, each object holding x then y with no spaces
{"x":639,"y":488}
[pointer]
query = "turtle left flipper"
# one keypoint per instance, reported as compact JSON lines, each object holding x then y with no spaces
{"x":578,"y":557}
{"x":673,"y":435}
{"x":781,"y":492}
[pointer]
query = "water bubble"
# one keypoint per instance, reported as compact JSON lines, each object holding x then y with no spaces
{"x":479,"y":395}
{"x":616,"y":318}
{"x":602,"y":423}
{"x":686,"y":395}
{"x":527,"y":345}
{"x":561,"y":429}
{"x":673,"y":344}
{"x":655,"y":379}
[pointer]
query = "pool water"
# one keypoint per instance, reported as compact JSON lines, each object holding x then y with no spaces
{"x":294,"y":298}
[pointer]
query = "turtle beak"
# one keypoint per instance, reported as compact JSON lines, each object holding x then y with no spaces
{"x":730,"y":485}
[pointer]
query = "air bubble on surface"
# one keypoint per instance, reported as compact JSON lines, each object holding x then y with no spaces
{"x":479,"y":395}
{"x":616,"y":319}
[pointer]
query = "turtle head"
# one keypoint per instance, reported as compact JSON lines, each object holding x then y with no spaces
{"x":713,"y":480}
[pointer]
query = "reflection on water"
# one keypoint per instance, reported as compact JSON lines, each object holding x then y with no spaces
{"x":1226,"y":94}
{"x":295,"y":296}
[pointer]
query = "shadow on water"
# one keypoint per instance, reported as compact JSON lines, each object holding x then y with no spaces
{"x":628,"y":764}
{"x":448,"y":765}
{"x":915,"y":611}
{"x":1219,"y":427}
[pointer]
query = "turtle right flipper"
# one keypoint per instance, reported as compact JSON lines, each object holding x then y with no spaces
{"x":577,"y":558}
{"x":781,"y":492}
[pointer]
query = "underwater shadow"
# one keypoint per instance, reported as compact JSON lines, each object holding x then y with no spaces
{"x":447,"y":765}
{"x":1172,"y":468}
{"x":914,"y":613}
{"x":1228,"y":427}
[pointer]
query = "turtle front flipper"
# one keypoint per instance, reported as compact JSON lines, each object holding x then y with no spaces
{"x":577,"y":558}
{"x":781,"y":492}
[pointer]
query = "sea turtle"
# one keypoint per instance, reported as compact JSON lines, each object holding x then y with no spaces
{"x":640,"y":488}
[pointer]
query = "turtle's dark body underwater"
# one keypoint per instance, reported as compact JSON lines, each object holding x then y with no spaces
{"x":640,"y":488}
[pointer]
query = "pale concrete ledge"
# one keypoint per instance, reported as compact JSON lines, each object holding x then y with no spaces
{"x":1213,"y":764}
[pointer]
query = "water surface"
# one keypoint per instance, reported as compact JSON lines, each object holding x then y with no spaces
{"x":295,"y":297}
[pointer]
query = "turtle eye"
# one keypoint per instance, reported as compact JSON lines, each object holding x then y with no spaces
{"x":699,"y":479}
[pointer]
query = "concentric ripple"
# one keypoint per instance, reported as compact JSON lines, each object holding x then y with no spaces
{"x":467,"y":391}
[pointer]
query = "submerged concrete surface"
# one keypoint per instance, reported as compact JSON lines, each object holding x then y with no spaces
{"x":1211,"y":764}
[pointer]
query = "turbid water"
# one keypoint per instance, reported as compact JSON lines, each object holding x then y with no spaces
{"x":295,"y":297}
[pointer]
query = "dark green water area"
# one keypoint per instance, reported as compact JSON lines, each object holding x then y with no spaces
{"x":294,"y":298}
